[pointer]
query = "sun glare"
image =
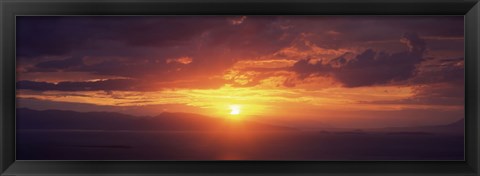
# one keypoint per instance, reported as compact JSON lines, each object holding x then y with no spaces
{"x":234,"y":109}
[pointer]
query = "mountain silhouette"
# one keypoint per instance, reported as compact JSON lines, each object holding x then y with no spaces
{"x":72,"y":120}
{"x":457,"y":124}
{"x":456,"y":127}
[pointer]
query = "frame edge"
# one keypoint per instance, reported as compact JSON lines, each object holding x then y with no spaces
{"x":7,"y":126}
{"x":472,"y":30}
{"x":7,"y":99}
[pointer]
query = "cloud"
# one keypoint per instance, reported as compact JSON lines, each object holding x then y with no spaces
{"x":440,"y":93}
{"x":437,"y":82}
{"x":55,"y":65}
{"x":443,"y":94}
{"x":369,"y":67}
{"x":39,"y":36}
{"x":107,"y":85}
{"x":414,"y":43}
{"x":181,"y":60}
{"x":103,"y":85}
{"x":434,"y":71}
{"x":165,"y":49}
{"x":238,"y":21}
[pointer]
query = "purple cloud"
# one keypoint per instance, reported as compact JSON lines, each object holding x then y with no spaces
{"x":369,"y":67}
{"x":103,"y":85}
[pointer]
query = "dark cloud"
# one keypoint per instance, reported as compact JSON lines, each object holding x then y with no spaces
{"x":37,"y":36}
{"x":369,"y":67}
{"x":437,"y":82}
{"x":135,"y":69}
{"x":449,"y":71}
{"x":353,"y":31}
{"x":103,"y":85}
{"x":58,"y":36}
{"x":58,"y":64}
{"x":431,"y":94}
{"x":414,"y":43}
{"x":119,"y":85}
{"x":140,"y":47}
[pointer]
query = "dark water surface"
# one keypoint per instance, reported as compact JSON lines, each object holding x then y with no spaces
{"x":191,"y":145}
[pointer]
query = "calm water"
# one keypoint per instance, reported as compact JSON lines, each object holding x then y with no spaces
{"x":296,"y":145}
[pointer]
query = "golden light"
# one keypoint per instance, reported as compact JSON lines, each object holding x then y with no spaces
{"x":234,"y":109}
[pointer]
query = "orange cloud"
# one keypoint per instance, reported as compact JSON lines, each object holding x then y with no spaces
{"x":182,"y":60}
{"x":238,"y":20}
{"x":270,"y":63}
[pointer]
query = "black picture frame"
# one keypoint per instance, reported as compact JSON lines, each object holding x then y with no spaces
{"x":11,"y":8}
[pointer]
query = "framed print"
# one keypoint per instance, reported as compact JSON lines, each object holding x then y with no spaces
{"x":321,"y":88}
{"x":228,"y":88}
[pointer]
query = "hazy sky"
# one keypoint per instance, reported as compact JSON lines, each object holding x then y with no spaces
{"x":340,"y":71}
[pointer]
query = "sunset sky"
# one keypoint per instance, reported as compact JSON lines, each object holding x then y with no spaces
{"x":303,"y":71}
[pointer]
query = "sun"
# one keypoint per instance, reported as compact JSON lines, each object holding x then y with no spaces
{"x":234,"y":109}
